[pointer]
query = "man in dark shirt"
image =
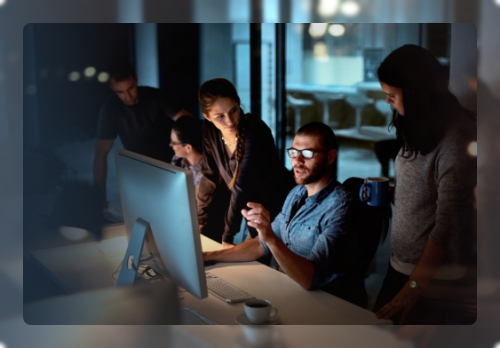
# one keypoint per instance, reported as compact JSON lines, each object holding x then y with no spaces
{"x":141,"y":116}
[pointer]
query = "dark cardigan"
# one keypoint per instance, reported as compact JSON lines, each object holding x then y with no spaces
{"x":262,"y":177}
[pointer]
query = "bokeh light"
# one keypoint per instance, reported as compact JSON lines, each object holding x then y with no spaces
{"x":317,"y":30}
{"x":497,"y":2}
{"x":497,"y":345}
{"x":89,"y":71}
{"x":103,"y":77}
{"x":472,"y":149}
{"x":60,"y":73}
{"x":74,"y":76}
{"x":320,"y":51}
{"x":2,"y":3}
{"x":336,"y":29}
{"x":73,"y":233}
{"x":2,"y":345}
{"x":328,"y":8}
{"x":44,"y":72}
{"x":30,"y":90}
{"x":350,"y":8}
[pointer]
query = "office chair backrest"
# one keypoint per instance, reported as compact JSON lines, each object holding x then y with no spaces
{"x":371,"y":223}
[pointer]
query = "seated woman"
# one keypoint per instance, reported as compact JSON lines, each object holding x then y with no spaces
{"x":239,"y":156}
{"x":185,"y":140}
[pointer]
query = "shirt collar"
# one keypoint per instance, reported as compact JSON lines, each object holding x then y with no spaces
{"x":318,"y":197}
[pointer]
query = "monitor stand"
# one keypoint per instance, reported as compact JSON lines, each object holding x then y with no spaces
{"x":130,"y":263}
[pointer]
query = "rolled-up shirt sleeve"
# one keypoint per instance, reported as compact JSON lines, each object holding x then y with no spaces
{"x":276,"y":226}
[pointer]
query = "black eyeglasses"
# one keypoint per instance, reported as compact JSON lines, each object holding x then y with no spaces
{"x":306,"y":153}
{"x":174,"y":143}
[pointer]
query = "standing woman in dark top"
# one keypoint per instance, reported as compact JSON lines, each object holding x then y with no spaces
{"x":239,"y":155}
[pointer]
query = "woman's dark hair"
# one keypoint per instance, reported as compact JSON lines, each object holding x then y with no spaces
{"x":210,"y":91}
{"x":188,"y":131}
{"x":428,"y":104}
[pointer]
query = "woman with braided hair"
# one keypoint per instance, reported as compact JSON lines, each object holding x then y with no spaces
{"x":239,"y":155}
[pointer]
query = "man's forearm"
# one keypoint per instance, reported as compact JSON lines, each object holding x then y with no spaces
{"x":247,"y":251}
{"x":295,"y":266}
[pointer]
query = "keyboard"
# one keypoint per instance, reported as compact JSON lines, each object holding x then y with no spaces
{"x":225,"y":291}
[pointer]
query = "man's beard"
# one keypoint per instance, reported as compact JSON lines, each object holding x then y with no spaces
{"x":315,"y":173}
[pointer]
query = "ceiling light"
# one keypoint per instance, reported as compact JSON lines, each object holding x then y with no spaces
{"x":317,"y":30}
{"x":89,"y":72}
{"x":103,"y":77}
{"x":74,"y":76}
{"x":328,"y":8}
{"x":350,"y":8}
{"x":320,"y":51}
{"x":336,"y":30}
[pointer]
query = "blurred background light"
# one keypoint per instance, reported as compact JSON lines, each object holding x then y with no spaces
{"x":73,"y":233}
{"x":328,"y":8}
{"x":320,"y":51}
{"x":44,"y":72}
{"x":60,"y":73}
{"x":350,"y":8}
{"x":472,"y":149}
{"x":74,"y":76}
{"x":472,"y":82}
{"x":2,"y":2}
{"x":30,"y":90}
{"x":103,"y":77}
{"x":89,"y":72}
{"x":498,"y":4}
{"x":336,"y":29}
{"x":317,"y":30}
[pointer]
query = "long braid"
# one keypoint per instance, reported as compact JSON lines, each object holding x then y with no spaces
{"x":239,"y":150}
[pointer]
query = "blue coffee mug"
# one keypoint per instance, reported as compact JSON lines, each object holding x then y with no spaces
{"x":377,"y":190}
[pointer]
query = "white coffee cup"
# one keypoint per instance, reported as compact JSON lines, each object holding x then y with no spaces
{"x":259,"y":311}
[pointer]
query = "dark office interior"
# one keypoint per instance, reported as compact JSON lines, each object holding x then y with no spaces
{"x":66,"y":85}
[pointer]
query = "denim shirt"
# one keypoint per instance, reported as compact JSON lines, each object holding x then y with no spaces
{"x":320,"y":231}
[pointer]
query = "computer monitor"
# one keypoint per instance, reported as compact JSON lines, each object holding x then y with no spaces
{"x":159,"y":209}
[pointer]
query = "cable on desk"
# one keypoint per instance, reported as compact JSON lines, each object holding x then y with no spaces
{"x":145,"y":273}
{"x":192,"y":311}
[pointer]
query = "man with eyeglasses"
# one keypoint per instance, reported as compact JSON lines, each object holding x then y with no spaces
{"x":312,"y":238}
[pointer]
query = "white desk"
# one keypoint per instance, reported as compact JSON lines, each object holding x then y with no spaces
{"x":91,"y":265}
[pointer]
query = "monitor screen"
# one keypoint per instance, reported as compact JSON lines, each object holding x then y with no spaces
{"x":163,"y":195}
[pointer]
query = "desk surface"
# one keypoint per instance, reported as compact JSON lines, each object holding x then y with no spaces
{"x":91,"y":266}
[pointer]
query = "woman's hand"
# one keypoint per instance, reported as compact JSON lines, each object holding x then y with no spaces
{"x":402,"y":302}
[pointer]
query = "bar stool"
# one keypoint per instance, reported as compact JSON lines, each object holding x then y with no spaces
{"x":325,"y":98}
{"x":358,"y":102}
{"x":298,"y":104}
